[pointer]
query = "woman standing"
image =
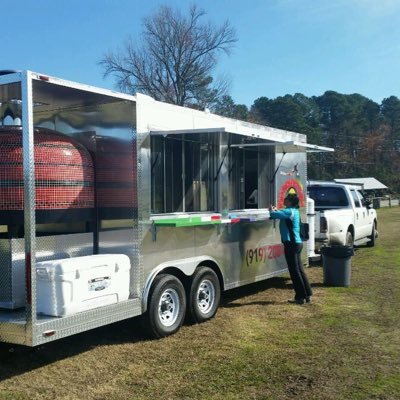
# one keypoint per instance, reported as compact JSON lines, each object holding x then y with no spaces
{"x":289,"y":227}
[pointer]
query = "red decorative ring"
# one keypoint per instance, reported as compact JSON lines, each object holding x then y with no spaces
{"x":291,"y":186}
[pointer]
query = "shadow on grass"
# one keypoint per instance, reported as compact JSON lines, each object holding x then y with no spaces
{"x":252,"y":303}
{"x":16,"y":360}
{"x":254,"y":288}
{"x":230,"y":297}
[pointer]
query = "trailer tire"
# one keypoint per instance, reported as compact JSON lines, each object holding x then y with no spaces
{"x":204,"y":295}
{"x":166,"y":308}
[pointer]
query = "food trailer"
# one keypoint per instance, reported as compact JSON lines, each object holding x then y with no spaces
{"x":114,"y":206}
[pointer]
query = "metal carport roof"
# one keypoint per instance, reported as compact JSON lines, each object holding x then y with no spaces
{"x":368,"y":183}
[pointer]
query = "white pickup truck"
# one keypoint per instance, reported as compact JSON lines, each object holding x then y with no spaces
{"x":342,"y":215}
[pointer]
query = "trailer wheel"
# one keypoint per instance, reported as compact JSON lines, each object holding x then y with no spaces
{"x":204,"y":296}
{"x":372,"y":238}
{"x":167,"y":306}
{"x":349,"y":239}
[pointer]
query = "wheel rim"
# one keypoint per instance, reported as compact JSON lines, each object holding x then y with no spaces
{"x":168,"y":307}
{"x":205,"y":296}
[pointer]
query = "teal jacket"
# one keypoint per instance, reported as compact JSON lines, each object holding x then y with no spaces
{"x":286,"y":214}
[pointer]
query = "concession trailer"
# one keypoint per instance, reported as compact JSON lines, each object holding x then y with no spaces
{"x":114,"y":206}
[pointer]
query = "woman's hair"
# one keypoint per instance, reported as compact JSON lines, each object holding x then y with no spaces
{"x":294,"y":200}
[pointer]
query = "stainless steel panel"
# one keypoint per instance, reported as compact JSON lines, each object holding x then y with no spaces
{"x":12,"y":259}
{"x":13,"y":332}
{"x":6,"y":274}
{"x":266,"y":167}
{"x":104,"y":123}
{"x":13,"y":326}
{"x":164,"y":244}
{"x":144,"y":203}
{"x":84,"y":321}
{"x":292,"y":176}
{"x":123,"y":241}
{"x":13,"y":323}
{"x":221,"y":201}
{"x":245,"y":251}
{"x":29,"y":203}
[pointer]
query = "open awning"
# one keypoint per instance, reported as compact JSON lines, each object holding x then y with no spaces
{"x":289,"y":147}
{"x":309,"y":148}
{"x":281,"y":145}
{"x":186,"y":131}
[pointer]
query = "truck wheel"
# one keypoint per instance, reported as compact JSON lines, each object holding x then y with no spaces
{"x":372,"y":238}
{"x":167,"y":306}
{"x":349,"y":239}
{"x":204,"y":296}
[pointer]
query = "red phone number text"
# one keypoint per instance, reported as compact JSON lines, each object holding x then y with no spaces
{"x":261,"y":254}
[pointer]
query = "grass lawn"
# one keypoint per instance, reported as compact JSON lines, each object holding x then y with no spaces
{"x":345,"y":345}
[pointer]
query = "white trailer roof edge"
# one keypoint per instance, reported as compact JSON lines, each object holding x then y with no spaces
{"x":193,"y":120}
{"x":199,"y":121}
{"x":17,"y":77}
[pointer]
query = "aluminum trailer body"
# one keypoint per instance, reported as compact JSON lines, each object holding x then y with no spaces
{"x":168,"y":187}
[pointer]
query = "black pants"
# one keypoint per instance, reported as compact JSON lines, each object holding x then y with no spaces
{"x":299,"y":278}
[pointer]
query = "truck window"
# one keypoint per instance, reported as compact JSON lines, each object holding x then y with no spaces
{"x":362,"y":198}
{"x":355,"y":198}
{"x":328,"y":196}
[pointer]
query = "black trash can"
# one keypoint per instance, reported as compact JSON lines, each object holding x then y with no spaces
{"x":336,"y":263}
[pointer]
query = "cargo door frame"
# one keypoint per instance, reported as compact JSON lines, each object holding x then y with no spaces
{"x":25,"y":326}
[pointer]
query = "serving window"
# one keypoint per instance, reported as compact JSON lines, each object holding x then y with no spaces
{"x":210,"y":171}
{"x":251,"y":172}
{"x":182,"y":173}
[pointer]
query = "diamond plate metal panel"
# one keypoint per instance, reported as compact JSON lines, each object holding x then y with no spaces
{"x":6,"y":277}
{"x":12,"y":262}
{"x":144,"y":201}
{"x":84,"y":321}
{"x":105,"y":124}
{"x":29,"y":203}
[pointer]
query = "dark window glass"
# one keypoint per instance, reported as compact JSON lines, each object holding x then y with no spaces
{"x":328,"y":196}
{"x":181,"y":174}
{"x":363,"y":200}
{"x":355,"y":198}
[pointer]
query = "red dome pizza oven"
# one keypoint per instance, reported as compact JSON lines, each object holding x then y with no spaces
{"x":64,"y":177}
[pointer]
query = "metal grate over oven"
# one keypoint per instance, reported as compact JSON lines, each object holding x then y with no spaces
{"x":64,"y":174}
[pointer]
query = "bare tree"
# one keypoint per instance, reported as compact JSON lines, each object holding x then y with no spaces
{"x":176,"y":59}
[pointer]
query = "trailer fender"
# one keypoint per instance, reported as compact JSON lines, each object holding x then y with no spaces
{"x":186,"y":265}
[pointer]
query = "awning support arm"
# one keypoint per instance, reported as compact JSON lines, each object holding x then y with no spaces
{"x":223,"y":158}
{"x":277,"y":168}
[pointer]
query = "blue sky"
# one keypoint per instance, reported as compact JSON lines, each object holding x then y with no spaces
{"x":284,"y":47}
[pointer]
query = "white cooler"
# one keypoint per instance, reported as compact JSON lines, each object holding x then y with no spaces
{"x":72,"y":285}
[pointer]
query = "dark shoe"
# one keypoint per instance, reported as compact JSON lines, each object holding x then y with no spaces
{"x":308,"y":299}
{"x":297,"y":301}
